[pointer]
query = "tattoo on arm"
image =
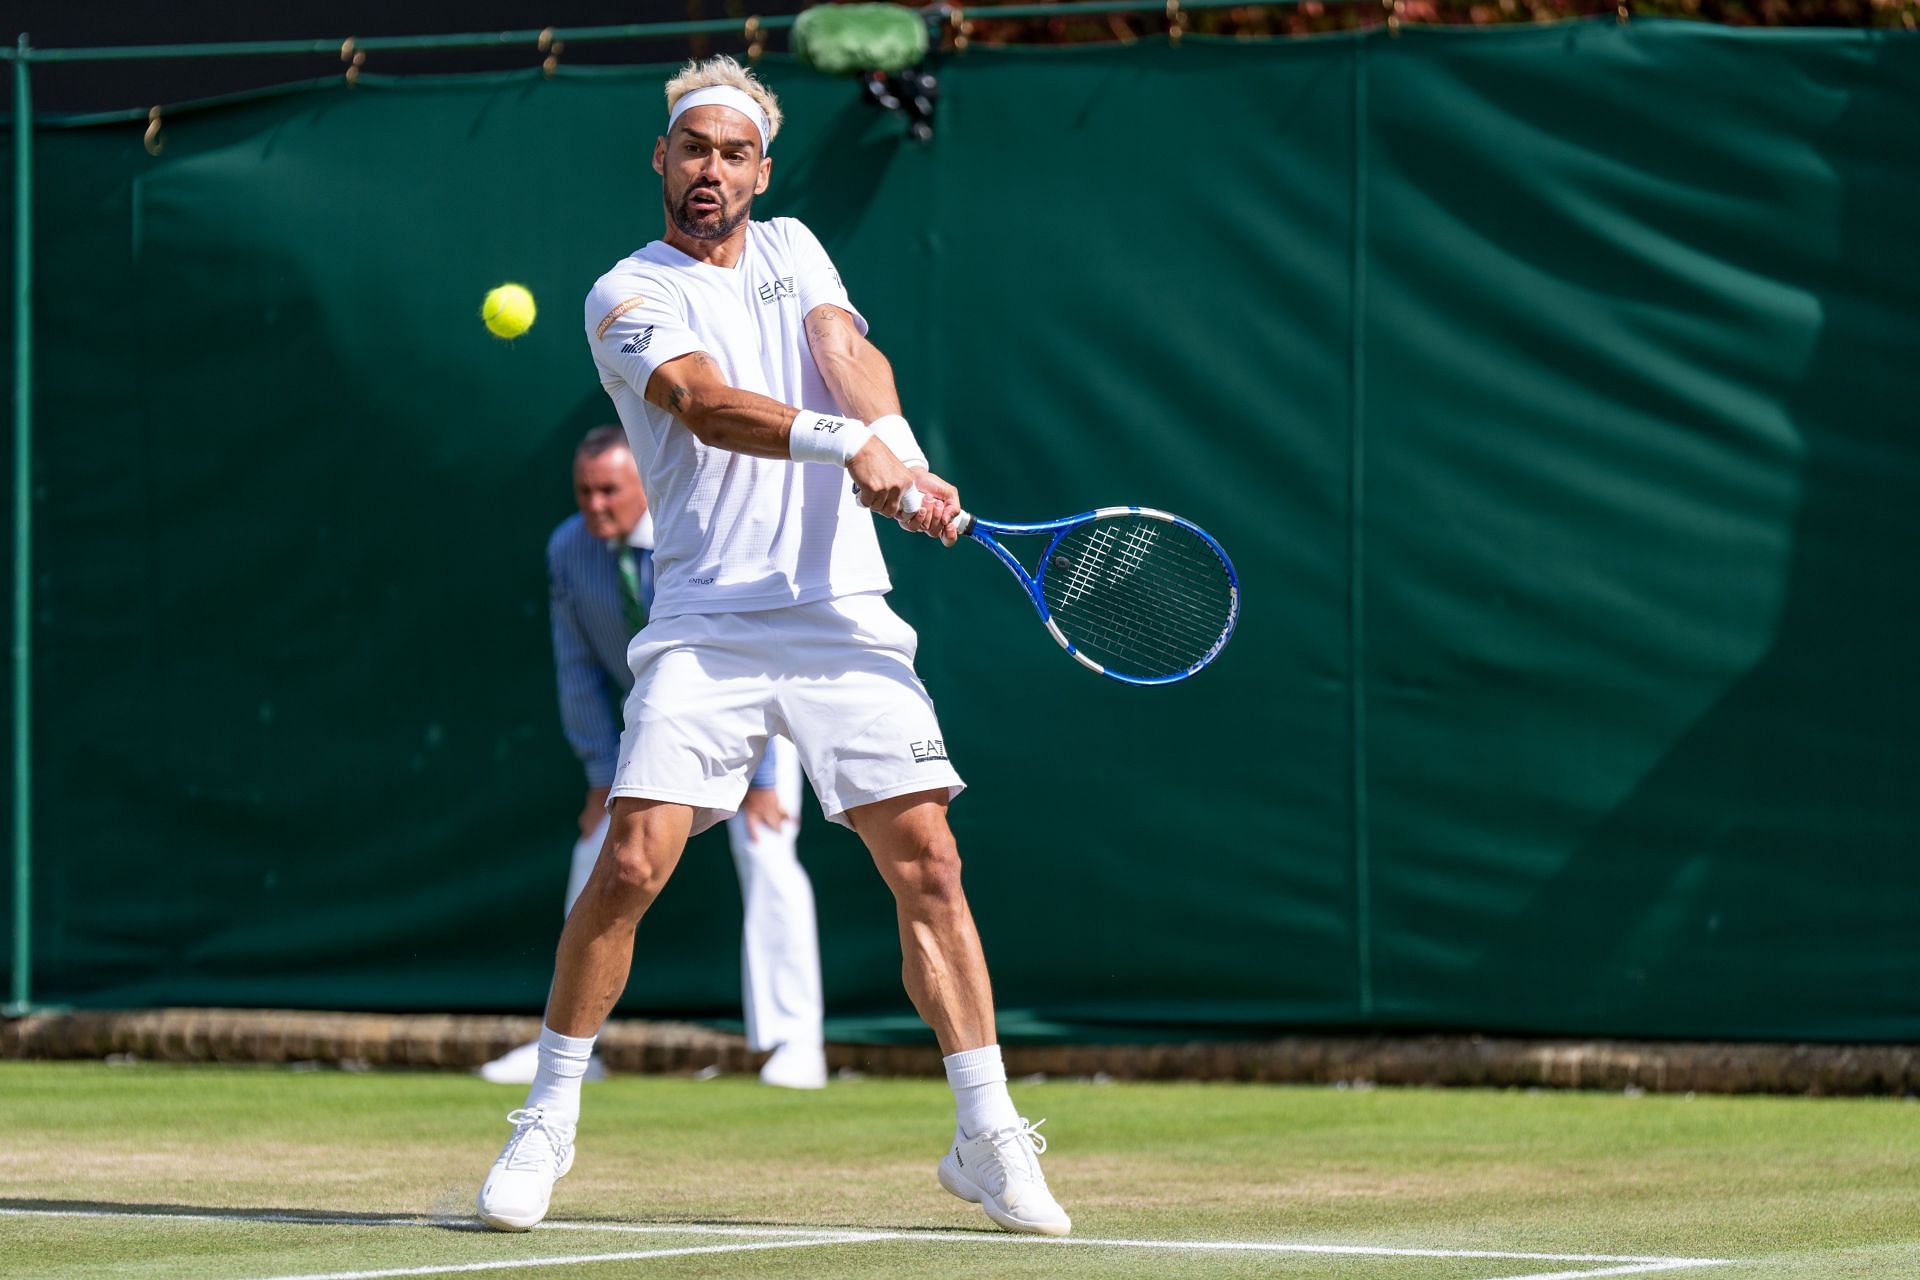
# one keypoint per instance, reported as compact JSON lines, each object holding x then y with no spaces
{"x":825,"y":326}
{"x":679,"y":395}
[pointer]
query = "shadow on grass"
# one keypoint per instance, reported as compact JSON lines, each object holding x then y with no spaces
{"x":258,"y":1213}
{"x":762,"y":1224}
{"x":441,"y":1221}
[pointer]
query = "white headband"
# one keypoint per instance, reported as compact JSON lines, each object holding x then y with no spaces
{"x":722,"y":95}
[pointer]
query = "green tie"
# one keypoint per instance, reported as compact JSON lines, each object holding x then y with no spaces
{"x":631,"y":602}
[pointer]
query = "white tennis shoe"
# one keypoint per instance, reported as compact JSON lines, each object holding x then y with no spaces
{"x":1000,"y":1172}
{"x":518,"y":1066}
{"x":796,"y":1066}
{"x":520,"y":1185}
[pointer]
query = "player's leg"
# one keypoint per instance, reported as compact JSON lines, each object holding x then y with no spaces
{"x":873,"y":748}
{"x":590,"y":971}
{"x":942,"y":964}
{"x":644,"y":844}
{"x":780,"y":944}
{"x":994,"y":1160}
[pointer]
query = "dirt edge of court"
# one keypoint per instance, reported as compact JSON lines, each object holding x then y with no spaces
{"x":462,"y":1042}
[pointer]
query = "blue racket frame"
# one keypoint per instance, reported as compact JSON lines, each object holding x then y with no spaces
{"x":982,"y":531}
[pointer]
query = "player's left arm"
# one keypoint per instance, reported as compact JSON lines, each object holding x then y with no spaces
{"x":858,"y":375}
{"x":860,"y":378}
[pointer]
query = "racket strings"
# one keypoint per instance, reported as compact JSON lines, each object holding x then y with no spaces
{"x":1141,"y":596}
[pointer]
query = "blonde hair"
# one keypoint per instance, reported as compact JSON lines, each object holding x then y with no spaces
{"x":721,"y":69}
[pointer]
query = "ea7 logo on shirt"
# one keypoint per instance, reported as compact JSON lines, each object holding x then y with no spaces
{"x":639,"y":342}
{"x":774,"y":290}
{"x":930,"y":749}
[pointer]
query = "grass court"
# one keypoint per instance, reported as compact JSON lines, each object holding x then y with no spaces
{"x":249,"y":1173}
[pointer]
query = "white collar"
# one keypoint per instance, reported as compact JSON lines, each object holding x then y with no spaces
{"x":641,"y":537}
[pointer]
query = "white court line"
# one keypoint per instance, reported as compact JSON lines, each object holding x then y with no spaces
{"x":1638,"y":1262}
{"x":506,"y":1264}
{"x":1670,"y":1264}
{"x":796,"y":1237}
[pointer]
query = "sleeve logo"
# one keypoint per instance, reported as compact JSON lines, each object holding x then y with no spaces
{"x":606,"y":321}
{"x":638,"y":343}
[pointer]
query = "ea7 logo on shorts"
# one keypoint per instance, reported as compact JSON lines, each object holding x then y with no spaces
{"x":639,"y":342}
{"x":774,"y":290}
{"x":930,"y":749}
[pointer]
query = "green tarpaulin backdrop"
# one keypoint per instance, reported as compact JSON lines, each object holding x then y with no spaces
{"x":1553,"y":389}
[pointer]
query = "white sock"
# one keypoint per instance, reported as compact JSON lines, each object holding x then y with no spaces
{"x":979,"y":1081}
{"x":556,"y":1083}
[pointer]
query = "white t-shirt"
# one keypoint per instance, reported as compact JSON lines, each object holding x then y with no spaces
{"x":733,"y":533}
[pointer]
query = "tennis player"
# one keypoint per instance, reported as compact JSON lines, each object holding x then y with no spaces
{"x":751,"y":397}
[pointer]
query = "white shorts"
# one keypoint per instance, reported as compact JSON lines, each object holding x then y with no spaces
{"x":835,"y":677}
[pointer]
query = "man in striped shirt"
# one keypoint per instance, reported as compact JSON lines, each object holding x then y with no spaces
{"x":600,"y":569}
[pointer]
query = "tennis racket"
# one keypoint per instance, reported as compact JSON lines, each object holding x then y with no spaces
{"x":1138,"y":595}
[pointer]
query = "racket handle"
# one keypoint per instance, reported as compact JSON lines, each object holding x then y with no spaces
{"x":911,"y":500}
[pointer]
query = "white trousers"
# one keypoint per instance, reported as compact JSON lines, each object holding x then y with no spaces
{"x":780,"y":942}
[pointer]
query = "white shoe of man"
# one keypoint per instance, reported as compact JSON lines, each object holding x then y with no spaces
{"x":796,"y":1066}
{"x":520,"y":1185}
{"x":517,"y":1066}
{"x":1000,"y":1172}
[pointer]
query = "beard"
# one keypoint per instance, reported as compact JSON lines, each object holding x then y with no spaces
{"x":716,"y":225}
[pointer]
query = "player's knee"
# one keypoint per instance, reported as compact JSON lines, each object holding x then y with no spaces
{"x":632,"y":876}
{"x":932,"y":877}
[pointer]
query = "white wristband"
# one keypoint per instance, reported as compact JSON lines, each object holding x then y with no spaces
{"x":816,"y":437}
{"x":898,"y":436}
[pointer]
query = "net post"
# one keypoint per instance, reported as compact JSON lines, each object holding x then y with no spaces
{"x":1357,"y":759}
{"x":21,"y":995}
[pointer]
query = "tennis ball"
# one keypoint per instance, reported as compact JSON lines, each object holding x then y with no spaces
{"x":508,"y":311}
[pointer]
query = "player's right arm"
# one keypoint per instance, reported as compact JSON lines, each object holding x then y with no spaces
{"x":640,"y":334}
{"x":694,"y":390}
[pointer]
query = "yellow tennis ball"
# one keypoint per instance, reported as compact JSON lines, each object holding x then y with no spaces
{"x":508,"y":311}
